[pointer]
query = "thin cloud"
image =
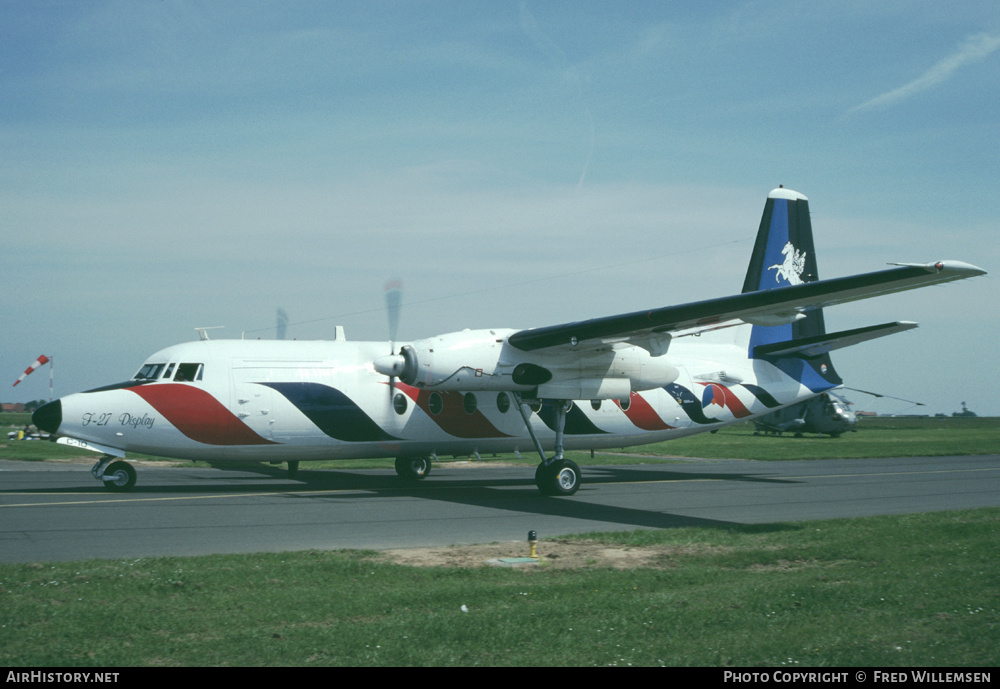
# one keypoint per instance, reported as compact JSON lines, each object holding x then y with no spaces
{"x":974,"y":49}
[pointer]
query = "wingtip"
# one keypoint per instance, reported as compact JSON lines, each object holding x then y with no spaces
{"x":957,"y":268}
{"x":961,"y":267}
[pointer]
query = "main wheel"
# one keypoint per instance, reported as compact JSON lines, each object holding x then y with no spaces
{"x":561,"y":477}
{"x":413,"y":468}
{"x":119,"y":477}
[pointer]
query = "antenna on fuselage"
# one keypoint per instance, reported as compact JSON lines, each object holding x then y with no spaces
{"x":203,"y":332}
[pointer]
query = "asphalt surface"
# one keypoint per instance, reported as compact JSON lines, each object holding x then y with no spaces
{"x":57,"y":512}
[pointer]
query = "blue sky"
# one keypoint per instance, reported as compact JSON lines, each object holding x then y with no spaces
{"x":169,"y":165}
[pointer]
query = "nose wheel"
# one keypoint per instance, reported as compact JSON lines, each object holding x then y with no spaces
{"x":116,"y":475}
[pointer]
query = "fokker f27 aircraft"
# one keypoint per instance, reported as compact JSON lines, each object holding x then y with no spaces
{"x":616,"y":381}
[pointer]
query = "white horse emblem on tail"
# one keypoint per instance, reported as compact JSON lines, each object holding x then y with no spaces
{"x":792,"y":267}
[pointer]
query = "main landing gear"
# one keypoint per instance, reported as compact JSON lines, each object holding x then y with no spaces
{"x":117,"y":475}
{"x":556,"y":475}
{"x":413,"y":468}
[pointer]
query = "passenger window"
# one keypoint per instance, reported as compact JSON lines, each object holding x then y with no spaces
{"x":435,"y":403}
{"x":188,"y":372}
{"x":470,"y":403}
{"x":503,"y":402}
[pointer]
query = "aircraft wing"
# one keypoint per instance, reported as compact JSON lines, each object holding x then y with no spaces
{"x":766,"y":307}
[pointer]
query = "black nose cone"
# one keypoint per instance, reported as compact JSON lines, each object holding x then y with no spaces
{"x":48,"y":417}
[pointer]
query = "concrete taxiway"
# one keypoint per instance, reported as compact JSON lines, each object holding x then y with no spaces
{"x":58,"y":512}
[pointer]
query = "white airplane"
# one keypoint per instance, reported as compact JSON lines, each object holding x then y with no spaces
{"x":616,"y":381}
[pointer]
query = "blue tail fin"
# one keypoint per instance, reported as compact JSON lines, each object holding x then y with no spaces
{"x":784,"y":255}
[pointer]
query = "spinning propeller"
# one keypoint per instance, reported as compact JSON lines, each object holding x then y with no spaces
{"x":388,"y":365}
{"x":282,"y":327}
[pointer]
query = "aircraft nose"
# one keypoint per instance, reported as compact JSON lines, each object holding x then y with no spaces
{"x":48,"y":417}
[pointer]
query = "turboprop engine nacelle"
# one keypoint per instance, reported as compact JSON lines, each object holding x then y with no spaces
{"x":479,"y":360}
{"x":467,"y":360}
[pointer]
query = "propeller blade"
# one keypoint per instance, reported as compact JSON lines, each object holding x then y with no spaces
{"x":282,"y":323}
{"x":393,"y":302}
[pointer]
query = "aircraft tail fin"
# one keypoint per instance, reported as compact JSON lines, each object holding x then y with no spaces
{"x":783,"y":255}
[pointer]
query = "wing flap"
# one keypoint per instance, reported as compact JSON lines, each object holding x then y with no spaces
{"x":748,"y":306}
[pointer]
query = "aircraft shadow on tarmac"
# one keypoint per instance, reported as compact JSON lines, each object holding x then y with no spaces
{"x":484,"y":493}
{"x":473,"y":489}
{"x":276,"y":480}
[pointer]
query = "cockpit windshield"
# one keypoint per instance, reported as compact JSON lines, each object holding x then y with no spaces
{"x":177,"y":372}
{"x":149,"y":372}
{"x":188,"y":372}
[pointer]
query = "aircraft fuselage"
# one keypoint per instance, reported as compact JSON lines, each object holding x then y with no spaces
{"x":323,"y":400}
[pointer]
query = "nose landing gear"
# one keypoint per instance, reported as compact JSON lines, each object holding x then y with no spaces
{"x":117,"y":475}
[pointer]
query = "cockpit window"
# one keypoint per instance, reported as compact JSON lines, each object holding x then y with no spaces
{"x":149,"y":372}
{"x":188,"y":372}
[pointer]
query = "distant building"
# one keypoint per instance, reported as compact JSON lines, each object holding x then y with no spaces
{"x":965,"y":411}
{"x":19,"y":407}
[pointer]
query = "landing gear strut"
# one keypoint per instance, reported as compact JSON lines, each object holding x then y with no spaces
{"x":556,"y":475}
{"x":117,"y":475}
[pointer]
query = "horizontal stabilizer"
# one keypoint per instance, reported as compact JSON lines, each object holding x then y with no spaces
{"x":809,"y":347}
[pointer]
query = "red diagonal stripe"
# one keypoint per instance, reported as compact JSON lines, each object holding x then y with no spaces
{"x":198,"y":415}
{"x":453,"y":418}
{"x":729,"y":400}
{"x":641,"y":413}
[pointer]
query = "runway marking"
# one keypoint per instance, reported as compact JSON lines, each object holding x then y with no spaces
{"x":214,"y":496}
{"x":178,"y":497}
{"x":765,"y":477}
{"x":894,"y":473}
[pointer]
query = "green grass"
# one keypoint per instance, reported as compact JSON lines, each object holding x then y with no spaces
{"x":884,"y":591}
{"x":876,"y":437}
{"x":918,"y":590}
